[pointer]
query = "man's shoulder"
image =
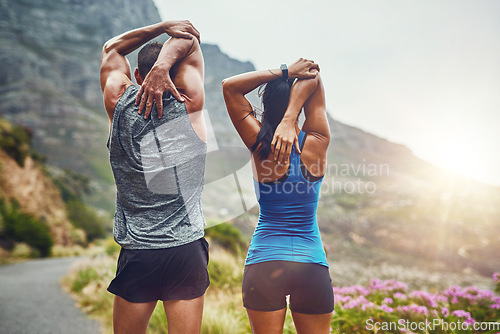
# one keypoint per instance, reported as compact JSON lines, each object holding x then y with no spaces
{"x":126,"y":100}
{"x":115,"y":87}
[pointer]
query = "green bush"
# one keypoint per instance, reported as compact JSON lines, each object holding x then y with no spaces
{"x":73,"y":186}
{"x":227,"y":236}
{"x":111,"y":247}
{"x":225,"y":270}
{"x":83,"y":278}
{"x":15,"y":141}
{"x":22,"y":227}
{"x":24,"y":251}
{"x":496,"y":278}
{"x":84,"y":217}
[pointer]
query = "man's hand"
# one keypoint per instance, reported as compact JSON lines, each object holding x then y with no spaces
{"x":158,"y":79}
{"x":285,"y":137}
{"x":156,"y":82}
{"x":303,"y":69}
{"x":181,"y":29}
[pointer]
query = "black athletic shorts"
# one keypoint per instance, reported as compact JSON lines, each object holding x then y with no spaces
{"x":266,"y":285}
{"x":146,"y":275}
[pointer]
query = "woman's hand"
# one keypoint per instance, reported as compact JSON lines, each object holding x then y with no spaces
{"x":303,"y":69}
{"x":285,"y":137}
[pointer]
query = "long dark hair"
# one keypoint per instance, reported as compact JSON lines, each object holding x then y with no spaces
{"x":275,"y":97}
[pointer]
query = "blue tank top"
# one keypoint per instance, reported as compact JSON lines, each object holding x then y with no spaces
{"x":287,"y":229}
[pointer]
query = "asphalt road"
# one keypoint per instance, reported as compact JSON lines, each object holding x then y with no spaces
{"x":33,"y":302}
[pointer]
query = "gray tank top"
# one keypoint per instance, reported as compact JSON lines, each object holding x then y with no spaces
{"x":158,"y":166}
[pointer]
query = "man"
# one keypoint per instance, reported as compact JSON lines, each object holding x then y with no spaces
{"x":157,"y":155}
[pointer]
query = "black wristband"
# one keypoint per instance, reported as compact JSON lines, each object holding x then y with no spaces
{"x":284,"y":71}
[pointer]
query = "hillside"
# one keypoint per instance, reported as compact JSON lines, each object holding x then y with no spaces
{"x":30,"y":203}
{"x":406,"y":214}
{"x":380,"y":205}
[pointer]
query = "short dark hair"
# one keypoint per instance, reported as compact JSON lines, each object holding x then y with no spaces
{"x":147,"y":57}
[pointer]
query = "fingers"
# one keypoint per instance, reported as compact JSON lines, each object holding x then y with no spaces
{"x":138,"y":98}
{"x":303,"y":69}
{"x":144,"y":98}
{"x":311,"y":68}
{"x":149,"y":106}
{"x":195,"y":33}
{"x":181,"y":34}
{"x":282,"y":149}
{"x":159,"y":106}
{"x":147,"y":101}
{"x":184,"y":29}
{"x":276,"y":150}
{"x":175,"y":93}
{"x":286,"y":153}
{"x":297,"y":146}
{"x":158,"y":99}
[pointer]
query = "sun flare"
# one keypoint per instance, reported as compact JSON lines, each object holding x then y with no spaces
{"x":461,"y":156}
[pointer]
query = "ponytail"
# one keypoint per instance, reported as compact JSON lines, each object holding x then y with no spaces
{"x":275,"y":100}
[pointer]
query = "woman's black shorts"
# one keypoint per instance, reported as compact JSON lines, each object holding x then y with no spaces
{"x":145,"y":275}
{"x":266,"y":285}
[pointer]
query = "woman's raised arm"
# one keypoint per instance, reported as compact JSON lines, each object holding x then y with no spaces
{"x":239,"y":108}
{"x":310,"y":95}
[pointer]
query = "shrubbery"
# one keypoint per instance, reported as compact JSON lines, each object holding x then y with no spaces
{"x":15,"y":140}
{"x":358,"y":309}
{"x":388,"y":307}
{"x":86,"y":218}
{"x":22,"y":227}
{"x":73,"y":187}
{"x":227,"y":236}
{"x":496,"y":278}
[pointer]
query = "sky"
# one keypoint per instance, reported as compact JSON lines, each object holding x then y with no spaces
{"x":422,"y":73}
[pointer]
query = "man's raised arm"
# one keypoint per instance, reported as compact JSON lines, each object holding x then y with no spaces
{"x":158,"y":80}
{"x":115,"y":69}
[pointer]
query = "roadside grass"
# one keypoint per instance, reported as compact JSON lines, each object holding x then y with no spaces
{"x":357,"y":307}
{"x":223,"y":313}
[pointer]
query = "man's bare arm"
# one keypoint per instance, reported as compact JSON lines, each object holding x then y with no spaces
{"x":115,"y":70}
{"x":158,"y":79}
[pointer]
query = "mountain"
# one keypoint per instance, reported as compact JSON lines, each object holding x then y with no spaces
{"x":380,"y":207}
{"x":49,"y":76}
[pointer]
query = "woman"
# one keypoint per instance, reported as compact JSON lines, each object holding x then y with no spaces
{"x":286,"y":256}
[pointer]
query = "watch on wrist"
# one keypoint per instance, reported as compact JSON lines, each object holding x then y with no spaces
{"x":284,"y":71}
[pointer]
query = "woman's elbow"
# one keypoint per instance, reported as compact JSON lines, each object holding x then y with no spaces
{"x":226,"y":83}
{"x":227,"y":86}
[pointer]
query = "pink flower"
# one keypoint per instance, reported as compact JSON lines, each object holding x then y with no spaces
{"x":461,"y":314}
{"x":430,"y":298}
{"x":361,"y":300}
{"x":496,"y":277}
{"x":413,"y":308}
{"x":445,"y":312}
{"x":495,"y":306}
{"x":387,"y":300}
{"x":399,"y":295}
{"x":386,"y":308}
{"x":366,"y":306}
{"x":422,"y":309}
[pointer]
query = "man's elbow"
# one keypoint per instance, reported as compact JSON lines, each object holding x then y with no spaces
{"x":108,"y":47}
